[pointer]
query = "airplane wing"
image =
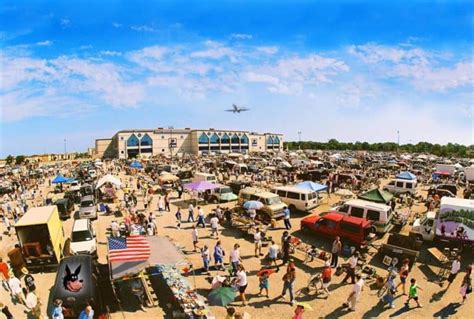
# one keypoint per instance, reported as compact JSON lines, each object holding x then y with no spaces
{"x":244,"y":109}
{"x":231,"y":110}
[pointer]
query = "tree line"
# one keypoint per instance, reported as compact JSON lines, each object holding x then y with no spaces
{"x":449,"y":149}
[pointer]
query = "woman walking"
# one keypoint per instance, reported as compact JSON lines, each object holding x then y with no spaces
{"x":404,"y":271}
{"x":288,"y":281}
{"x":241,"y":281}
{"x":466,"y":286}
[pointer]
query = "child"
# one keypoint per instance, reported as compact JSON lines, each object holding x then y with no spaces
{"x":389,"y":296}
{"x":298,"y":312}
{"x":413,"y":293}
{"x":264,"y":284}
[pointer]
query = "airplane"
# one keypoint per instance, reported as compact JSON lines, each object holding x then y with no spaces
{"x":236,"y":109}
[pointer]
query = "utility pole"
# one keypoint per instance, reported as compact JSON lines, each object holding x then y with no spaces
{"x":65,"y":149}
{"x":299,"y":140}
{"x":398,"y":141}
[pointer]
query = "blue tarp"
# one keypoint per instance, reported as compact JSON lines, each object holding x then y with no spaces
{"x":60,"y":179}
{"x":136,"y":164}
{"x":312,"y":186}
{"x":406,"y":175}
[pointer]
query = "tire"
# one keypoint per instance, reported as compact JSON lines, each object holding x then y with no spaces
{"x":292,"y":208}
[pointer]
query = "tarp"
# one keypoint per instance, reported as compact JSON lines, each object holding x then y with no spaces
{"x":312,"y":186}
{"x":109,"y":179}
{"x":376,"y":195}
{"x":406,"y":175}
{"x":200,"y":186}
{"x":59,"y":179}
{"x":136,"y":164}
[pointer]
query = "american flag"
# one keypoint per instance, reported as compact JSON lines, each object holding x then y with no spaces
{"x":133,"y":248}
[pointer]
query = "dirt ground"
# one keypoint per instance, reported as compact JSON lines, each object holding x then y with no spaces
{"x":436,"y":301}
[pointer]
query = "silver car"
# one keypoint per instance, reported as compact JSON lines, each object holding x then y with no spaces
{"x":88,"y":207}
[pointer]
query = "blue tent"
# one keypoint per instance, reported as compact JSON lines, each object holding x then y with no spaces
{"x":136,"y":164}
{"x":59,"y":179}
{"x":312,"y":186}
{"x":406,"y":175}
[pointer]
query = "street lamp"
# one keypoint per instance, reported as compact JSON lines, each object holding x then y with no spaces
{"x":299,"y":140}
{"x":65,"y":148}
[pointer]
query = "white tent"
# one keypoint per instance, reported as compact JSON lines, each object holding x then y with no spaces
{"x":109,"y":179}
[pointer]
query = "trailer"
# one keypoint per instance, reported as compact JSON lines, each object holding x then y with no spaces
{"x":401,"y":246}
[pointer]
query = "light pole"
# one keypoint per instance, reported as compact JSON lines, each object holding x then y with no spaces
{"x":65,"y":149}
{"x":299,"y":140}
{"x":398,"y":141}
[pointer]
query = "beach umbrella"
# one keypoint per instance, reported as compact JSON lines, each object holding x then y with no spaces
{"x":229,"y":197}
{"x":253,"y":204}
{"x":305,"y":305}
{"x":136,"y":165}
{"x":267,"y":271}
{"x":221,"y":296}
{"x":167,"y":177}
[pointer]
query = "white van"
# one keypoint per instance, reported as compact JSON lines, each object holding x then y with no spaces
{"x":401,"y":186}
{"x":200,"y":177}
{"x":83,"y":239}
{"x":297,"y":198}
{"x":380,"y":214}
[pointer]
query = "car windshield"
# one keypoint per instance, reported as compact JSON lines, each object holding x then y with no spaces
{"x":225,"y":190}
{"x":273,"y":200}
{"x":87,"y":203}
{"x":83,"y":235}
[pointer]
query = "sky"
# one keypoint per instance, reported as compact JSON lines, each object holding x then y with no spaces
{"x":350,"y":70}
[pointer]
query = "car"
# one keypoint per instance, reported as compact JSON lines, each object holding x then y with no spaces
{"x":65,"y":207}
{"x":358,"y":231}
{"x":88,"y":207}
{"x":222,"y":194}
{"x":83,"y":238}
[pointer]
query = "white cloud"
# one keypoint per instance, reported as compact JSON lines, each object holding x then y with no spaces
{"x":44,"y":43}
{"x":86,"y":47}
{"x":144,"y":28}
{"x":116,"y":25}
{"x":241,"y":36}
{"x":64,"y":22}
{"x":111,"y":53}
{"x":422,"y":68}
{"x":268,"y":50}
{"x":216,"y":51}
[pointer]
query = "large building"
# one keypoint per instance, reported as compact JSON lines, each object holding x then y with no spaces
{"x":170,"y":141}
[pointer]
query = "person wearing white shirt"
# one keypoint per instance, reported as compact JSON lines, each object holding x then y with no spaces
{"x":214,"y":226}
{"x":273,"y":251}
{"x":352,"y":266}
{"x":33,"y":304}
{"x":200,"y":220}
{"x":15,"y":289}
{"x":455,"y":267}
{"x":257,"y":239}
{"x":195,"y":236}
{"x":355,"y":293}
{"x":235,"y":258}
{"x":241,"y":281}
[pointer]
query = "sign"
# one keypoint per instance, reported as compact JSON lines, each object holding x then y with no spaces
{"x":172,"y":142}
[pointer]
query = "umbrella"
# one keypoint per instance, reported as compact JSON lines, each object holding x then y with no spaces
{"x":267,"y":271}
{"x":221,"y":296}
{"x":253,"y":204}
{"x":228,"y":197}
{"x":344,"y":192}
{"x":136,"y":164}
{"x":59,"y":179}
{"x":305,"y":305}
{"x":312,"y":186}
{"x":167,"y":177}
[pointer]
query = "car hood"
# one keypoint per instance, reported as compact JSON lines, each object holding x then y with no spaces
{"x":91,"y":209}
{"x":310,"y":219}
{"x":83,"y":246}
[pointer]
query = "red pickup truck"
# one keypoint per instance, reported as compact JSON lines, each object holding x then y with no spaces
{"x":359,"y":231}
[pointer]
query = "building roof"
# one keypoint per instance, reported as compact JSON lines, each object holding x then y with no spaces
{"x":174,"y":130}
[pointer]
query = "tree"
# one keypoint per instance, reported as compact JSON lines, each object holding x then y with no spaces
{"x":9,"y":160}
{"x":19,"y":159}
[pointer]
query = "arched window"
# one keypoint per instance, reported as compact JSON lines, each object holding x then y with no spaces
{"x":225,"y":139}
{"x":276,"y":140}
{"x":244,"y":139}
{"x":235,"y":139}
{"x":146,"y":140}
{"x":270,"y":140}
{"x":215,"y":139}
{"x":204,"y":139}
{"x":132,"y":141}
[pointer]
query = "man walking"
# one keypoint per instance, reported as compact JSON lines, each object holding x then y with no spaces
{"x":286,"y":218}
{"x":336,"y":250}
{"x":355,"y":293}
{"x":190,"y":213}
{"x":352,"y":266}
{"x":235,"y":259}
{"x":455,"y":268}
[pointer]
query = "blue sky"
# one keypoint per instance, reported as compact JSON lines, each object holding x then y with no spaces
{"x":351,"y":70}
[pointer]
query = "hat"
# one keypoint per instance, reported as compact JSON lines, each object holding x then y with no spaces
{"x":24,"y":270}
